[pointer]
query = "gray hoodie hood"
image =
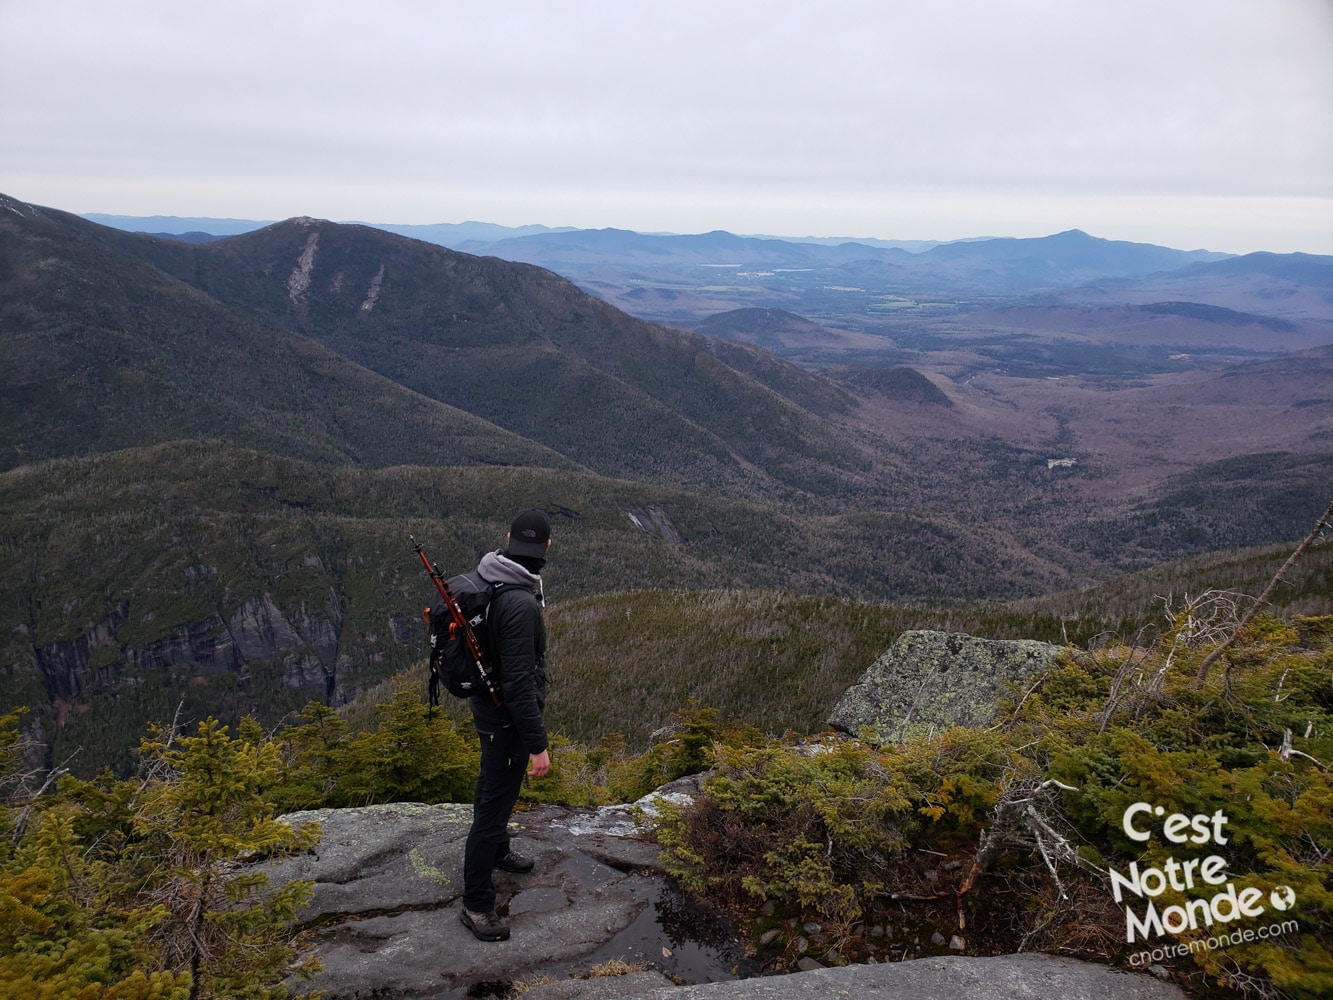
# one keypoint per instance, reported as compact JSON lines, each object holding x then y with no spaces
{"x":496,"y":567}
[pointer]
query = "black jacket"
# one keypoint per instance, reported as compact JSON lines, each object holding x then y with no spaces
{"x":516,"y":633}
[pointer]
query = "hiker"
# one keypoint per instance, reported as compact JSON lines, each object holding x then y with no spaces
{"x":511,"y":732}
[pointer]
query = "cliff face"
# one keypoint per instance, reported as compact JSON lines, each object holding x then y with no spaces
{"x":202,"y":646}
{"x":66,"y":666}
{"x":306,"y":648}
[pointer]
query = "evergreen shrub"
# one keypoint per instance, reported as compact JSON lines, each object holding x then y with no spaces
{"x":1009,"y":836}
{"x":141,"y":889}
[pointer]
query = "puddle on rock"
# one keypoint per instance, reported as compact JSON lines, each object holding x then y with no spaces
{"x":674,"y":934}
{"x":492,"y":989}
{"x":541,"y":899}
{"x":682,"y":938}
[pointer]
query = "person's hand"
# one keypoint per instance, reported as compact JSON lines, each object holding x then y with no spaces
{"x":539,"y":764}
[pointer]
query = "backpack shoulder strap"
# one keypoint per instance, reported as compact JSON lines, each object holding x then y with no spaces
{"x":485,"y":631}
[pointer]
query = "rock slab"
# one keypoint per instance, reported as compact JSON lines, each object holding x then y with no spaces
{"x":1013,"y":977}
{"x":930,"y":681}
{"x":387,"y":897}
{"x":384,"y":921}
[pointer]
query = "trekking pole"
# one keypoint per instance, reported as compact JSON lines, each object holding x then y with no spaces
{"x":458,"y":619}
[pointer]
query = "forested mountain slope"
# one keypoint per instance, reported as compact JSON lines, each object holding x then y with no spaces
{"x":525,"y":349}
{"x":102,"y":351}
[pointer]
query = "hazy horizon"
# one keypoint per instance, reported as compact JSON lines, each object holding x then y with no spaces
{"x":177,"y":224}
{"x":1195,"y":124}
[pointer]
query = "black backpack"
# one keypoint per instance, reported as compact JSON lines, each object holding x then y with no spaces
{"x":451,"y":662}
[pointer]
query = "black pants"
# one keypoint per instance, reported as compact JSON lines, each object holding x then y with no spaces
{"x":503,"y":764}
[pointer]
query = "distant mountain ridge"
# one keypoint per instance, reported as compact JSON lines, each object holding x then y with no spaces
{"x":105,"y":351}
{"x":548,"y":242}
{"x":1060,"y":259}
{"x":496,"y":362}
{"x":911,"y":246}
{"x":447,"y":234}
{"x":873,"y":289}
{"x":457,"y":234}
{"x":176,"y":224}
{"x":1064,"y":258}
{"x":717,"y":248}
{"x":681,"y":278}
{"x":1296,"y":285}
{"x":1314,"y":269}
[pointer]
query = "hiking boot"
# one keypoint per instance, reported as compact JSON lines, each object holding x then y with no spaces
{"x":485,"y":926}
{"x":515,"y":862}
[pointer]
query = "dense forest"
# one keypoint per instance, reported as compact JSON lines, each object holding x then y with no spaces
{"x":148,"y":886}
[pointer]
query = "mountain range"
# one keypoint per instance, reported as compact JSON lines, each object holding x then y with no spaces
{"x":884,"y":305}
{"x":1061,"y":259}
{"x":446,"y":234}
{"x":213,"y":452}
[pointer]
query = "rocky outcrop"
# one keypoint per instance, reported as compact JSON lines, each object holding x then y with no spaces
{"x":63,"y":667}
{"x":204,"y":646}
{"x":384,"y":921}
{"x":66,"y":666}
{"x":387,"y":895}
{"x":321,"y":634}
{"x":260,"y":631}
{"x":930,"y":681}
{"x":306,"y":646}
{"x":653,"y":522}
{"x":950,"y":977}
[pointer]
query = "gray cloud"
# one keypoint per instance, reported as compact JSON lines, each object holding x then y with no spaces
{"x":1191,"y":122}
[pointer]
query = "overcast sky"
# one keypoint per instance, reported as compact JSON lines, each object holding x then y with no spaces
{"x":1190,"y":123}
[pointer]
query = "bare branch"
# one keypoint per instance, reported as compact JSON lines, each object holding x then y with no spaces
{"x":1020,"y":823}
{"x":1309,"y":540}
{"x":54,"y":775}
{"x":1287,"y":751}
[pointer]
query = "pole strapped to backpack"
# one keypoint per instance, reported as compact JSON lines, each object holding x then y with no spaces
{"x":460,"y":622}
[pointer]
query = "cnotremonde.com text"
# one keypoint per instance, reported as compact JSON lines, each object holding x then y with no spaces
{"x":1224,"y":906}
{"x":1246,"y":936}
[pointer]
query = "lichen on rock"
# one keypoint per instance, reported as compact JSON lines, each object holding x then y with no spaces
{"x":931,"y":681}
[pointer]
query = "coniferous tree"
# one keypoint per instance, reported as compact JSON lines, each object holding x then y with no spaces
{"x":226,"y":925}
{"x":152,"y":888}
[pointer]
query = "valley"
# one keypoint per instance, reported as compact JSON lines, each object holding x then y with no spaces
{"x":214,"y":451}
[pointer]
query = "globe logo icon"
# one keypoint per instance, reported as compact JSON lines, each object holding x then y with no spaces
{"x":1283,"y":897}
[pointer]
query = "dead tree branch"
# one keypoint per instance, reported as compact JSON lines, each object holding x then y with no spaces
{"x":1212,"y":657}
{"x":1287,"y":751}
{"x":21,"y":824}
{"x":1020,"y":823}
